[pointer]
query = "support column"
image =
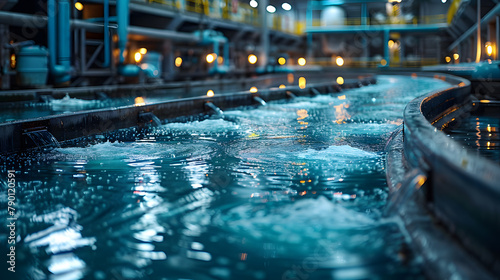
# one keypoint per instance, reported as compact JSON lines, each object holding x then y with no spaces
{"x":264,"y":36}
{"x":478,"y":51}
{"x":364,"y":14}
{"x":386,"y":46}
{"x":366,"y":50}
{"x":438,"y":53}
{"x":169,"y":60}
{"x":497,"y":37}
{"x":4,"y":57}
{"x":401,"y":50}
{"x":310,"y":52}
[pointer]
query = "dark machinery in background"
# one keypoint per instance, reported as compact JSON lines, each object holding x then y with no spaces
{"x":68,"y":43}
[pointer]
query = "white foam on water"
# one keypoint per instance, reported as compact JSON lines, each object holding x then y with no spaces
{"x":274,"y":112}
{"x":68,"y":104}
{"x":333,"y":153}
{"x":138,"y":150}
{"x":291,"y":223}
{"x":309,"y":104}
{"x":205,"y":126}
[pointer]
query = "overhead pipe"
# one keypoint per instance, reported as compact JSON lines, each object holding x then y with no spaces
{"x":164,"y":34}
{"x":59,"y":36}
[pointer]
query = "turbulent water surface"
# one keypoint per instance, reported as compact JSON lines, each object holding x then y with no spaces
{"x":291,"y":190}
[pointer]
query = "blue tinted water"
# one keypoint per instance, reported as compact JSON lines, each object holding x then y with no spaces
{"x":478,"y":134}
{"x":286,"y":191}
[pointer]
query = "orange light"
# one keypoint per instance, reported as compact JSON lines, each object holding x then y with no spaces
{"x":12,"y":61}
{"x":391,"y":44}
{"x":339,"y":61}
{"x":448,"y":59}
{"x":139,"y":101}
{"x":301,"y":61}
{"x":302,"y":82}
{"x":211,"y":57}
{"x":79,"y":6}
{"x":489,"y":48}
{"x":340,"y":80}
{"x":178,"y":62}
{"x":383,"y":62}
{"x":282,"y":86}
{"x":137,"y":57}
{"x":253,"y":90}
{"x":143,"y":51}
{"x":252,"y":59}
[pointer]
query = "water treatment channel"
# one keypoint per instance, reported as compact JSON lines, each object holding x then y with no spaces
{"x":291,"y":190}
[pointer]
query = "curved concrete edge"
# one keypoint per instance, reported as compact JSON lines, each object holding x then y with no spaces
{"x":441,"y":254}
{"x":460,"y":188}
{"x":66,"y":127}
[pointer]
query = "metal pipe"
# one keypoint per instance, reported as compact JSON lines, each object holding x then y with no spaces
{"x":264,"y":35}
{"x":479,"y":47}
{"x":163,"y":34}
{"x":497,"y":37}
{"x":60,"y":72}
{"x":364,"y":14}
{"x":386,"y":47}
{"x":226,"y":54}
{"x":216,"y":52}
{"x":51,"y":33}
{"x":89,"y":26}
{"x":122,"y":12}
{"x":36,"y":21}
{"x":107,"y":49}
{"x":63,"y":40}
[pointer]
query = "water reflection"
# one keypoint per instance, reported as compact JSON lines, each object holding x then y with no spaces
{"x":479,"y":134}
{"x":288,"y":190}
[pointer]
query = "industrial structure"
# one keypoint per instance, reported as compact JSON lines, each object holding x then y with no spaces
{"x":146,"y":147}
{"x":62,"y":43}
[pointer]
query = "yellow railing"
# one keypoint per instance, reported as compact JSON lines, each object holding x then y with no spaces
{"x":392,"y":20}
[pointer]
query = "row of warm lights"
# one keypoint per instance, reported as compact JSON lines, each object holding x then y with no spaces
{"x":302,"y":85}
{"x":456,"y":56}
{"x":211,"y":57}
{"x":489,"y":51}
{"x":252,"y":59}
{"x":270,"y":8}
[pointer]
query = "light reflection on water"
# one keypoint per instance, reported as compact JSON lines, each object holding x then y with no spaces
{"x":479,"y":134}
{"x":286,"y":191}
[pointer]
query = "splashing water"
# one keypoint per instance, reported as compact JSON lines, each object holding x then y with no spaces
{"x":286,"y":191}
